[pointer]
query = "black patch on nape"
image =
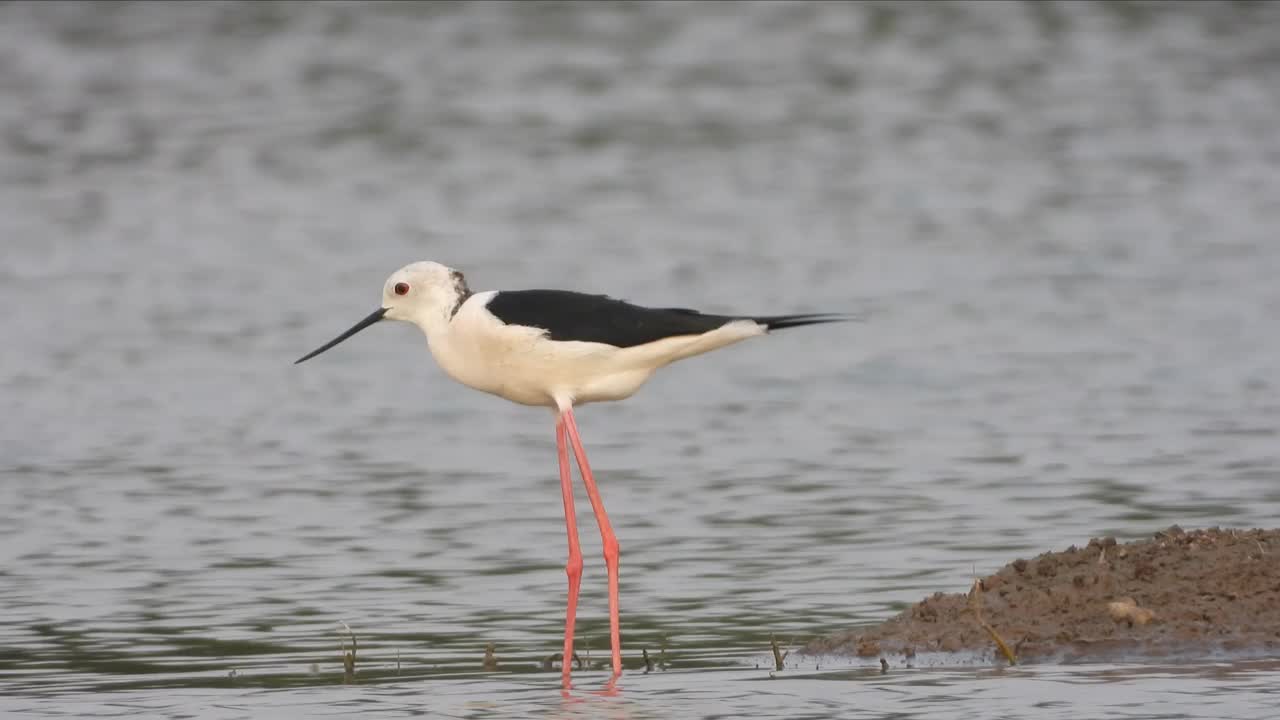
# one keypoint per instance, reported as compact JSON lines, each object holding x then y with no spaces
{"x":568,"y":315}
{"x":459,"y":287}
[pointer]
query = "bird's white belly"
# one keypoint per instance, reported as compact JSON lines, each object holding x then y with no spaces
{"x":539,"y":372}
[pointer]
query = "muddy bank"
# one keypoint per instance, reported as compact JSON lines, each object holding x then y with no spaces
{"x":1178,"y":593}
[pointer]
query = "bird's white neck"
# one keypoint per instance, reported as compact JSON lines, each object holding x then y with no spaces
{"x":434,"y":322}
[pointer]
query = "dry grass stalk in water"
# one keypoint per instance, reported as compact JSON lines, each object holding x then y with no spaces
{"x":348,"y":658}
{"x":550,"y":660}
{"x":778,"y":655}
{"x":975,"y":605}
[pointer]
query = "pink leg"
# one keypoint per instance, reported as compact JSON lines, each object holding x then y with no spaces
{"x":574,"y":566}
{"x":607,"y":537}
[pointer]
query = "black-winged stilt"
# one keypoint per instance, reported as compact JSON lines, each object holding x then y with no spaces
{"x":557,"y":349}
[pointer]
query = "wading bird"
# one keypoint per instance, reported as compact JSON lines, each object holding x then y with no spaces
{"x":557,"y":349}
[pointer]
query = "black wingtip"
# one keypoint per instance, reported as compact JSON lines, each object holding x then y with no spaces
{"x":782,"y":322}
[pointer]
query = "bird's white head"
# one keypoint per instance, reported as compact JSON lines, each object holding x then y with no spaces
{"x":426,"y":294}
{"x":422,"y":292}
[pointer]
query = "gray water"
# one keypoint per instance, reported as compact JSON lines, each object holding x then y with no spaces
{"x":1057,"y":221}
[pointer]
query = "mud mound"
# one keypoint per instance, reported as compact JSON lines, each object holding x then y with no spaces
{"x":1178,"y":593}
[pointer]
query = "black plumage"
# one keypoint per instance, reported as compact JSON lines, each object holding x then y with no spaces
{"x":568,"y":315}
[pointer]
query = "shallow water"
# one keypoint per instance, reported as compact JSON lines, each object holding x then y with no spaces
{"x":1058,"y":223}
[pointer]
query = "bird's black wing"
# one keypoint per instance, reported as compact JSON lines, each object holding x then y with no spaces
{"x":568,"y":315}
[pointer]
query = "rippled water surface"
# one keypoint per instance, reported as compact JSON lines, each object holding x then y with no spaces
{"x":1058,"y":222}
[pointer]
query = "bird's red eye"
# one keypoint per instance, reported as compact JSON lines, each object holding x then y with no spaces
{"x":402,"y":288}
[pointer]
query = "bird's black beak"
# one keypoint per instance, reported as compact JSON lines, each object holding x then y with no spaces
{"x":374,"y":317}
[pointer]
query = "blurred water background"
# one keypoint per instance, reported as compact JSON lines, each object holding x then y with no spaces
{"x":1057,"y":218}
